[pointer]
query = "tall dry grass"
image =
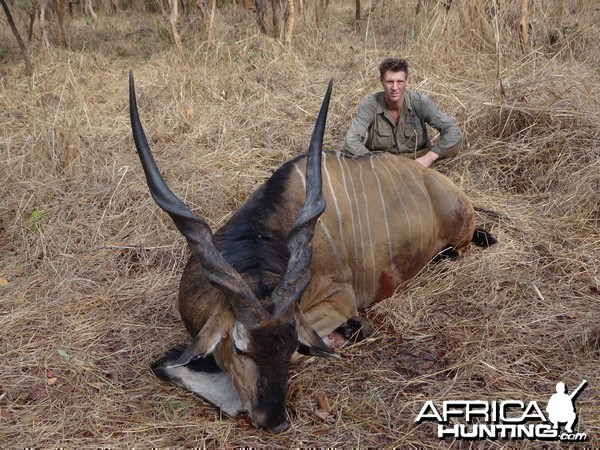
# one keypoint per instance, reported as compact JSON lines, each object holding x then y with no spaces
{"x":90,"y":266}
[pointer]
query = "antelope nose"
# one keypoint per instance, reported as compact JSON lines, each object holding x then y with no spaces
{"x":279,"y":428}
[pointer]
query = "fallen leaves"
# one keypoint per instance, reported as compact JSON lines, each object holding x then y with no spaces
{"x":51,"y":379}
{"x":324,"y":410}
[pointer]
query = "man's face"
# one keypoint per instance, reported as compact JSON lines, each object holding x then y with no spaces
{"x":393,"y":84}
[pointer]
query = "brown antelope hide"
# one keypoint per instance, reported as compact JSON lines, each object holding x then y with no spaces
{"x":263,"y":288}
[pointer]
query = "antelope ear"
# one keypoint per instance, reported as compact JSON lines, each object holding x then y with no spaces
{"x":203,"y":344}
{"x":309,"y":342}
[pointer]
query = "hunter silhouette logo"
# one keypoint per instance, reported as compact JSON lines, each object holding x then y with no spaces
{"x":506,"y":419}
{"x":560,"y":407}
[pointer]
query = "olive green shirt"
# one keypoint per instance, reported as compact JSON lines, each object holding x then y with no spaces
{"x":373,"y":127}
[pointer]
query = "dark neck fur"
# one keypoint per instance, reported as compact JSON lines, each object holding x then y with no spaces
{"x":258,"y":253}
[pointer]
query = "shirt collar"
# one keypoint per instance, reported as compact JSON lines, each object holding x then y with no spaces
{"x":382,"y":106}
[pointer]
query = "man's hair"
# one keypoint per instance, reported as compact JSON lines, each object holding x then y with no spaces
{"x":393,"y":64}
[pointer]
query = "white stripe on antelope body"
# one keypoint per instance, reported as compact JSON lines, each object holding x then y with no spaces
{"x":386,"y":234}
{"x":271,"y":282}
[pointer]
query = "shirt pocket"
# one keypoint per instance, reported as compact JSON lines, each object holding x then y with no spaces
{"x":413,"y":137}
{"x":383,"y":139}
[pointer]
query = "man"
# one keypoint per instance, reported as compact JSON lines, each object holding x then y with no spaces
{"x":395,"y":121}
{"x":560,"y":408}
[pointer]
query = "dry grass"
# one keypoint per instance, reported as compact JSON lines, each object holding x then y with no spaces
{"x":89,"y":278}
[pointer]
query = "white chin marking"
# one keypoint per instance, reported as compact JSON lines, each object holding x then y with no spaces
{"x":215,"y":387}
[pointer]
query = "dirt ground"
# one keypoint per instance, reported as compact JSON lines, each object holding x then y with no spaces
{"x":89,"y":265}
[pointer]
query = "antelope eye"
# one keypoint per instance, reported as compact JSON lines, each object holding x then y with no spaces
{"x":240,"y":352}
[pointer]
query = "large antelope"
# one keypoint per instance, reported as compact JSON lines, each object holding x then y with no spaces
{"x":251,"y":295}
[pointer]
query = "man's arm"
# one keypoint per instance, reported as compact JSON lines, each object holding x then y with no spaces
{"x":354,"y":143}
{"x":428,"y":158}
{"x":450,"y":134}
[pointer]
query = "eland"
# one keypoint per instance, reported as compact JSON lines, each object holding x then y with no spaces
{"x":285,"y":273}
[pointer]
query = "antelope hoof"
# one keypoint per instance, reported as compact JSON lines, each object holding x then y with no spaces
{"x":356,"y":329}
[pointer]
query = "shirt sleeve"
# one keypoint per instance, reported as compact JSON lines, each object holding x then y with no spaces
{"x":354,"y":143}
{"x":450,"y":134}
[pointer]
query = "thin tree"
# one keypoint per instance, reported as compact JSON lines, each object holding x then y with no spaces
{"x":261,"y":12}
{"x":277,"y":18}
{"x":208,"y":16}
{"x":211,"y":20}
{"x":290,"y":23}
{"x":320,"y":9}
{"x":89,"y":10}
{"x":161,"y":5}
{"x":62,"y":19}
{"x":524,"y":27}
{"x":173,"y":17}
{"x":38,"y":8}
{"x":13,"y":27}
{"x":281,"y":16}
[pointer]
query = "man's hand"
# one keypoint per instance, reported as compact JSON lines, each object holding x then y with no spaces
{"x":428,"y":159}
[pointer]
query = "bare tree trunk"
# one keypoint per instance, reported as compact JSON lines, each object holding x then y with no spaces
{"x":357,"y":13}
{"x":63,"y":27}
{"x":203,"y":7}
{"x":524,"y":27}
{"x":13,"y":27}
{"x":317,"y":15}
{"x":205,"y":12}
{"x":32,"y":13}
{"x":161,"y":5}
{"x":261,"y":12}
{"x":89,"y":10}
{"x":173,"y":17}
{"x":43,"y":25}
{"x":320,"y":8}
{"x":290,"y":24}
{"x":211,"y":20}
{"x":277,"y":18}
